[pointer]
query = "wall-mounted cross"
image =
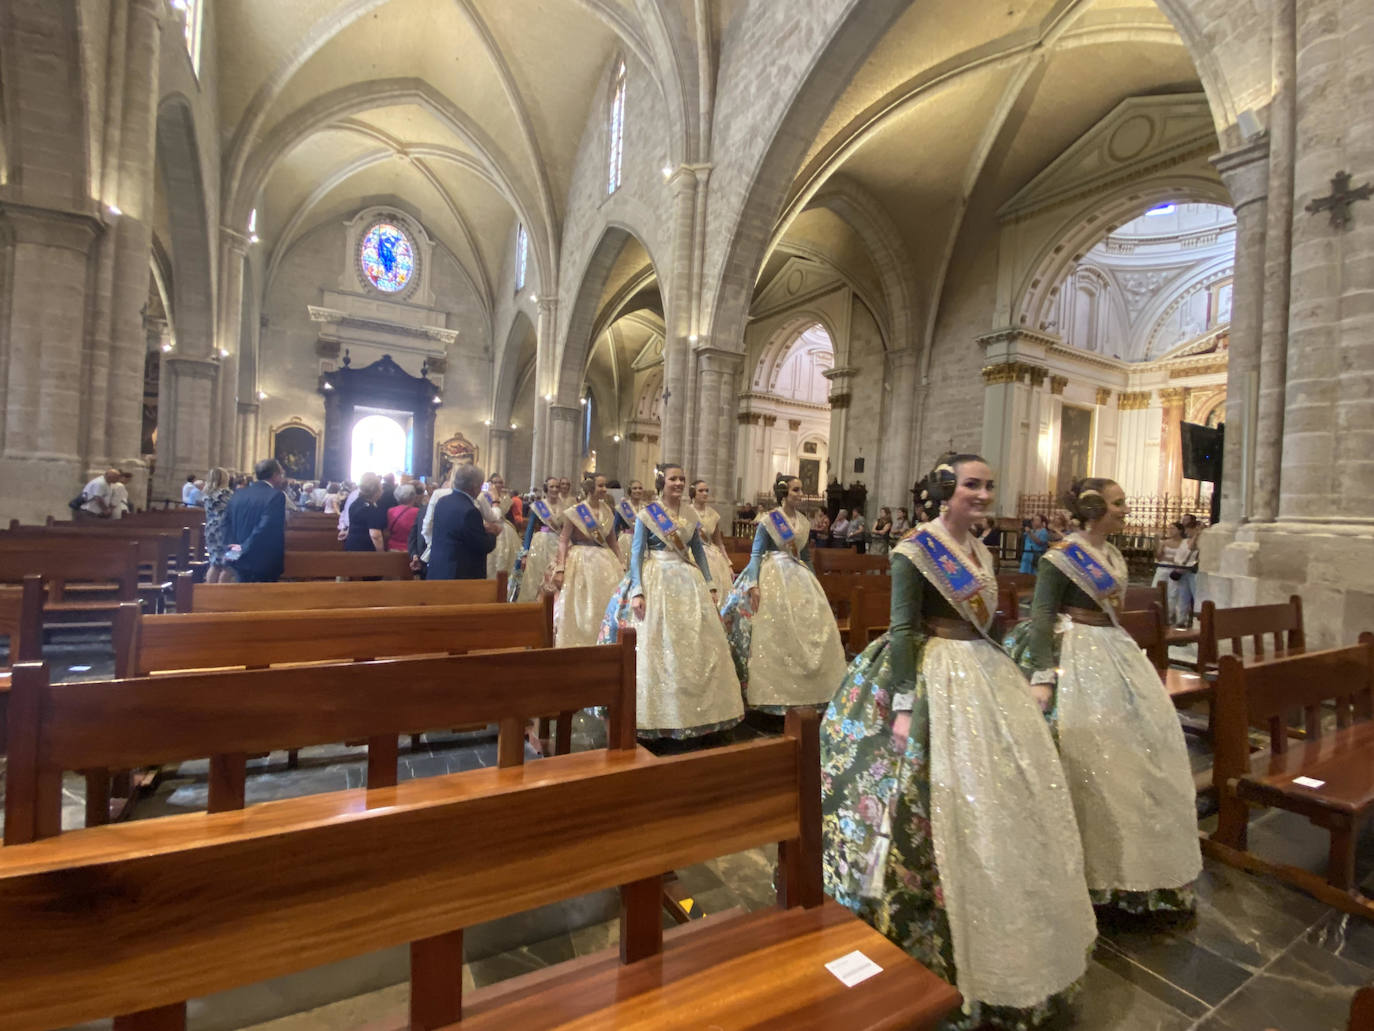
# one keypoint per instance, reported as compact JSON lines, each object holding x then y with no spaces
{"x":1342,"y":196}
{"x":667,"y":394}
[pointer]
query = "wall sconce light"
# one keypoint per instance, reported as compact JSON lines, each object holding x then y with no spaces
{"x":616,"y":438}
{"x":582,"y":401}
{"x":114,"y":210}
{"x":514,"y":426}
{"x":667,"y":171}
{"x":166,"y":348}
{"x":486,"y":422}
{"x":253,"y":238}
{"x":224,"y":352}
{"x":329,"y":386}
{"x":549,"y":398}
{"x":262,"y":396}
{"x":438,"y":400}
{"x":693,"y":339}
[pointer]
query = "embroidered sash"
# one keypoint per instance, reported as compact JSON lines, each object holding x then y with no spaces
{"x":783,"y":534}
{"x":1090,"y":573}
{"x":661,"y":525}
{"x":626,"y":509}
{"x":587,"y":524}
{"x":969,"y":591}
{"x":545,"y":514}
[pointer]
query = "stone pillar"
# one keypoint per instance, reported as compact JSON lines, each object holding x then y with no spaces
{"x":895,"y":475}
{"x":564,"y":422}
{"x":185,"y":394}
{"x":839,"y":417}
{"x":233,"y":250}
{"x":50,"y":254}
{"x":545,"y":371}
{"x":498,"y":453}
{"x":1245,"y":172}
{"x":717,"y":385}
{"x":246,"y":447}
{"x":677,"y":342}
{"x":1171,"y":440}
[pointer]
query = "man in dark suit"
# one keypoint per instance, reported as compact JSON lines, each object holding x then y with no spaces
{"x":255,"y":520}
{"x":462,"y":538}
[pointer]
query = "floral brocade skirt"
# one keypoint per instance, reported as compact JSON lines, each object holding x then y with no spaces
{"x":901,"y":891}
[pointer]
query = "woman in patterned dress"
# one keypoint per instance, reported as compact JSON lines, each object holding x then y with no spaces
{"x":947,"y":823}
{"x":216,"y":501}
{"x":495,"y":504}
{"x":587,"y":570}
{"x":1119,"y":736}
{"x":541,"y":544}
{"x":713,"y":541}
{"x":781,"y":629}
{"x":684,"y":676}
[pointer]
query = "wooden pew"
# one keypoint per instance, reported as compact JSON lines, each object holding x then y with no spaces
{"x":1282,"y":623}
{"x":1148,"y":628}
{"x":228,"y":715}
{"x":870,"y":609}
{"x":1336,"y":791}
{"x":1138,"y":598}
{"x":292,"y":884}
{"x":347,"y":565}
{"x":160,"y":551}
{"x":21,"y":620}
{"x":839,"y":589}
{"x":62,"y":561}
{"x":843,"y":560}
{"x":235,"y":597}
{"x":1010,"y":587}
{"x":313,"y":540}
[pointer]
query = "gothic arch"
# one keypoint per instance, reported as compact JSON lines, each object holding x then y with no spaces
{"x":587,"y":310}
{"x":510,"y":368}
{"x":764,"y":368}
{"x":193,"y":295}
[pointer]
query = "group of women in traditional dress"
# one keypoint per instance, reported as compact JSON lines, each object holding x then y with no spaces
{"x":955,"y":821}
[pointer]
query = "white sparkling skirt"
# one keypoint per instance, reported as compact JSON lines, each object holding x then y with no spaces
{"x":1006,"y":843}
{"x":590,"y":579}
{"x":722,"y":574}
{"x":795,"y":654}
{"x":685,"y":678}
{"x":623,"y":543}
{"x":543,"y":550}
{"x":502,"y":557}
{"x":1127,"y":765}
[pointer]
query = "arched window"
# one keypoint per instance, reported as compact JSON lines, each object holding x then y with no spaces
{"x":617,"y":127}
{"x":522,"y":250}
{"x":587,"y":423}
{"x":192,"y":13}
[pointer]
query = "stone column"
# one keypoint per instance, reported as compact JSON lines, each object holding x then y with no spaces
{"x":1245,"y":171}
{"x":717,"y":385}
{"x":498,"y":453}
{"x":895,"y":475}
{"x":545,"y":370}
{"x":564,"y":423}
{"x":839,"y":415}
{"x":1171,"y":440}
{"x":50,"y":254}
{"x":246,"y":447}
{"x":185,"y":393}
{"x":233,"y":249}
{"x":677,"y":342}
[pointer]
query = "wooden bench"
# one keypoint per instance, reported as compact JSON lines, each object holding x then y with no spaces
{"x":1282,"y":624}
{"x":839,"y":589}
{"x":229,"y":715}
{"x":313,"y":540}
{"x":1010,"y":587}
{"x":160,"y":552}
{"x":870,"y":610}
{"x":1148,"y":629}
{"x":1328,"y":777}
{"x":347,"y":565}
{"x":21,"y":620}
{"x":844,"y":560}
{"x":63,"y":562}
{"x":236,"y":597}
{"x":293,"y":884}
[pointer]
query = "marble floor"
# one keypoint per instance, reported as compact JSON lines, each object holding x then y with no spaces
{"x":1258,"y":955}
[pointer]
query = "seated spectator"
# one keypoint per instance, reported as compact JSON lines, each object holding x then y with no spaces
{"x":401,"y":517}
{"x":366,"y":521}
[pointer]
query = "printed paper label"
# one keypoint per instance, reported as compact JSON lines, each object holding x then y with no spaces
{"x":853,"y":968}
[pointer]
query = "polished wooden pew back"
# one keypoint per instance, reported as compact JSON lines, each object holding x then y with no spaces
{"x":334,"y":563}
{"x":291,"y":596}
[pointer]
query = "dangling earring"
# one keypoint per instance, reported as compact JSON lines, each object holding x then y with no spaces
{"x":944,"y":508}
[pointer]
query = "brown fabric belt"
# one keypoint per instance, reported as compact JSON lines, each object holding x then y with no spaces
{"x":1088,"y":617}
{"x":951,"y":629}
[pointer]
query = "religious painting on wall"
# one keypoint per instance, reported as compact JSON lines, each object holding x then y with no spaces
{"x":296,"y":447}
{"x":1075,"y":445}
{"x":454,"y":451}
{"x":809,"y":472}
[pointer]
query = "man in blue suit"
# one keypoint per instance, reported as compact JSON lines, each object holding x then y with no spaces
{"x":255,"y":520}
{"x":462,"y":538}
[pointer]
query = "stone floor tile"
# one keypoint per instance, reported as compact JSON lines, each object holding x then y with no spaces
{"x":1113,"y":1001}
{"x":1195,"y":970}
{"x":1305,"y":989}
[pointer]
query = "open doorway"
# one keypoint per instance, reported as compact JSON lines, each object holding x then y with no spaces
{"x":381,"y":444}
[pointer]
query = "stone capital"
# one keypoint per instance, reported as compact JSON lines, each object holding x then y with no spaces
{"x":794,"y":424}
{"x":565,"y":413}
{"x":191,"y":365}
{"x":1128,"y":401}
{"x":248,"y":407}
{"x":547,"y":305}
{"x":1170,"y":396}
{"x":501,"y":434}
{"x":233,"y":241}
{"x":1245,"y":171}
{"x":770,"y":420}
{"x":717,"y":359}
{"x":1104,"y":394}
{"x":1058,"y":383}
{"x":63,"y":228}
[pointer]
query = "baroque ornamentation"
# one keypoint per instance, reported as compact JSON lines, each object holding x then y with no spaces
{"x":1173,"y":395}
{"x":1133,"y":400}
{"x":1104,"y":394}
{"x":1058,"y":383}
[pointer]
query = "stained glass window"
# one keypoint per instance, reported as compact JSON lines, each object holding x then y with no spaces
{"x":617,"y":126}
{"x":387,"y":259}
{"x":522,"y":250}
{"x":192,"y":13}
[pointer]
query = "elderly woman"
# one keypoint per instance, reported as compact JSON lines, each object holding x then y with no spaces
{"x":401,"y":517}
{"x":839,"y":529}
{"x":366,"y":521}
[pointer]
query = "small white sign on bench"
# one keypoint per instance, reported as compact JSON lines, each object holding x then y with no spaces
{"x":853,"y":968}
{"x":1308,"y":782}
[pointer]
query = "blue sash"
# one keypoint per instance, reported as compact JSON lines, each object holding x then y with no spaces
{"x":627,"y":511}
{"x":785,"y":530}
{"x":661,"y":518}
{"x":1096,"y":573}
{"x":541,"y":509}
{"x":960,"y":581}
{"x":589,"y":523}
